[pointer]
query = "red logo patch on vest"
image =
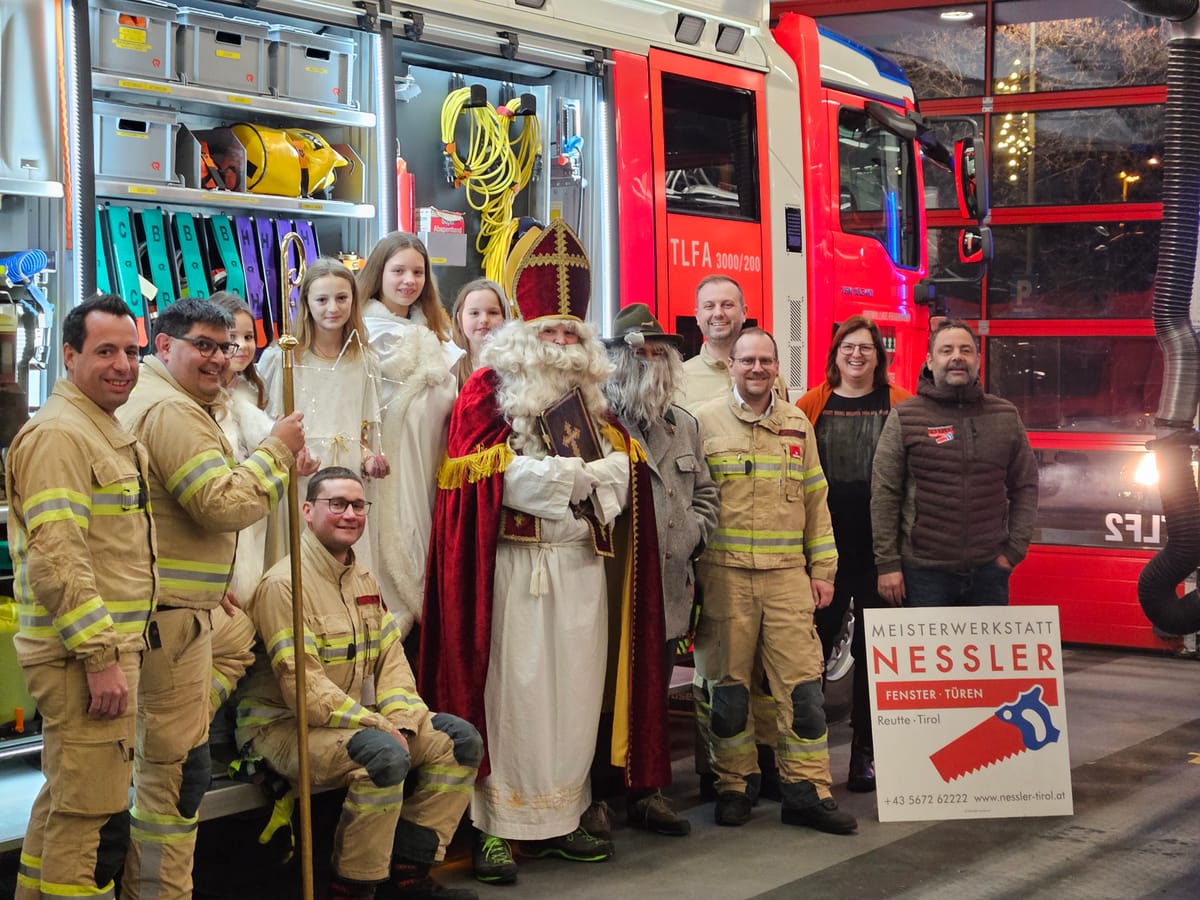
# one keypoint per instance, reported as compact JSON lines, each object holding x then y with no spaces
{"x":942,"y":434}
{"x":367,"y":600}
{"x":795,"y":451}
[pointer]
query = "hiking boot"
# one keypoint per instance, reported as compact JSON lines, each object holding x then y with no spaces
{"x":493,"y":860}
{"x":411,"y":881}
{"x":426,"y":889}
{"x":733,"y":808}
{"x":597,"y":820}
{"x":654,"y":813}
{"x":340,"y":889}
{"x":862,"y":765}
{"x":824,"y":816}
{"x":578,"y":846}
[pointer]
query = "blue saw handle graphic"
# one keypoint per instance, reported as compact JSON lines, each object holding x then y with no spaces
{"x":1015,"y":714}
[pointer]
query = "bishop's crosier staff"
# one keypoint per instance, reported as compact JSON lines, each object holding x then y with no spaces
{"x":287,"y":343}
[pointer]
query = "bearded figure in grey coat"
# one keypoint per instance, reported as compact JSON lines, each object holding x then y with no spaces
{"x":647,"y":375}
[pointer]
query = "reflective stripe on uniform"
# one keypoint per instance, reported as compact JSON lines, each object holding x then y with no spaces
{"x":29,"y":871}
{"x":282,"y":645}
{"x":270,"y":476}
{"x":129,"y":616}
{"x":249,"y":715}
{"x":193,"y":575}
{"x":84,"y":621}
{"x":50,"y":889}
{"x":57,"y":505}
{"x":389,"y":631}
{"x":195,"y":473}
{"x":367,"y":799}
{"x":747,"y":540}
{"x":159,"y":828}
{"x":347,"y":715}
{"x":820,"y":548}
{"x":814,"y":479}
{"x":446,"y":779}
{"x":396,"y":699}
{"x":119,"y":499}
{"x":798,"y":749}
{"x":219,"y":689}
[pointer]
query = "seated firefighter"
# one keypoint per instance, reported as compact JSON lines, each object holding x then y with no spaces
{"x":369,"y":728}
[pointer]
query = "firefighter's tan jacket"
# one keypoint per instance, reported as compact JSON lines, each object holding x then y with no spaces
{"x":81,"y":537}
{"x":356,"y":674}
{"x":773,"y":511}
{"x":201,"y":498}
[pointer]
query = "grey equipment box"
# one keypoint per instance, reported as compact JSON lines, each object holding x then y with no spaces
{"x":134,"y":143}
{"x":217,"y":52}
{"x":133,"y":37}
{"x":315,"y":68}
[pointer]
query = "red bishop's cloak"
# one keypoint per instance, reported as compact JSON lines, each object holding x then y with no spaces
{"x":460,"y":578}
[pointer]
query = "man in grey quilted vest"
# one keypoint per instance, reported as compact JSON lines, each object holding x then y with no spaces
{"x":954,"y":485}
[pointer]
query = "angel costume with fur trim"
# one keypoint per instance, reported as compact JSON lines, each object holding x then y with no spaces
{"x":246,"y":426}
{"x":334,"y":426}
{"x":417,"y":391}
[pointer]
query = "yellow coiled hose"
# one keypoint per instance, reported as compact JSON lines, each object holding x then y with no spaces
{"x":495,"y":168}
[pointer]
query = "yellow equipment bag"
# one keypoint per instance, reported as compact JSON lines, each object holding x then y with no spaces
{"x":287,"y":162}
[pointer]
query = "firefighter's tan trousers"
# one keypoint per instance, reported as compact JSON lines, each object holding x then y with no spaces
{"x":363,"y":841}
{"x":172,"y":769}
{"x":232,"y":654}
{"x":768,"y":612}
{"x":77,"y":828}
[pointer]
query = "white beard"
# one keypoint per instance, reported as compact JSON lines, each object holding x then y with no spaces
{"x":642,"y":390}
{"x":534,"y":374}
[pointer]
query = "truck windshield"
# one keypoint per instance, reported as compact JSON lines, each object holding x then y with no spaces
{"x":878,"y":186}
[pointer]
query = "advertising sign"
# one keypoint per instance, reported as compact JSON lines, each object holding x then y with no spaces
{"x":967,"y":712}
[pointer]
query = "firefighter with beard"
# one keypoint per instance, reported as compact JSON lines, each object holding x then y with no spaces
{"x":647,"y":373}
{"x":514,"y":633}
{"x":770,"y":563}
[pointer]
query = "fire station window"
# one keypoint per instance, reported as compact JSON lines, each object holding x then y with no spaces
{"x":1077,"y":383}
{"x":1110,"y":154}
{"x":878,"y":186}
{"x":1099,"y":498}
{"x":1066,"y":46}
{"x":710,"y":140}
{"x":1092,"y":270}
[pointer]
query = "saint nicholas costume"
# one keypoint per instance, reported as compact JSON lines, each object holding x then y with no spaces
{"x":514,"y":632}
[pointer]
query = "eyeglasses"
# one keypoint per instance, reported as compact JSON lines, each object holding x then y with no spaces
{"x":748,"y":362}
{"x":339,"y":505}
{"x":849,"y":348}
{"x":208,"y":348}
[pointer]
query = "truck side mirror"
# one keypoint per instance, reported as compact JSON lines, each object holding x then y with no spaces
{"x":975,"y":245}
{"x":971,"y":179}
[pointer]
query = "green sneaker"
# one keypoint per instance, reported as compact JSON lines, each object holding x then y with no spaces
{"x":578,"y":846}
{"x":493,"y":860}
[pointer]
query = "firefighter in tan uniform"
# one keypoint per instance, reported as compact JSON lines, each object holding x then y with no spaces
{"x":771,"y":561}
{"x":369,"y":726}
{"x":82,"y":545}
{"x":200,"y":501}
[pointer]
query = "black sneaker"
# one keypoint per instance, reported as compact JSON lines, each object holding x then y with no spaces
{"x":493,"y":860}
{"x":733,"y":808}
{"x":578,"y":846}
{"x":825,"y":816}
{"x":654,"y":813}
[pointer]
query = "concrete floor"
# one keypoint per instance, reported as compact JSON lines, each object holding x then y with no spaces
{"x":1135,"y":742}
